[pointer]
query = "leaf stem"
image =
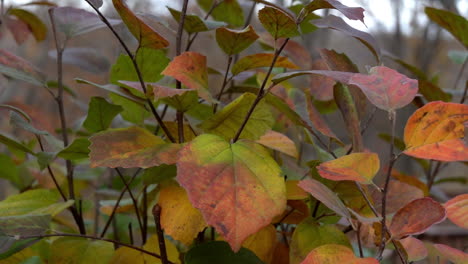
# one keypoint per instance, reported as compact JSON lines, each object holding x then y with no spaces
{"x":160,"y":234}
{"x":137,"y":69}
{"x":261,"y":92}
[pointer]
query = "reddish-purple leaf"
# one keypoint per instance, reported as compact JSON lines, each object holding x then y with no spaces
{"x":18,"y":28}
{"x":234,"y":41}
{"x":318,"y":121}
{"x":354,"y":13}
{"x":339,"y":24}
{"x":414,"y":248}
{"x":18,"y":68}
{"x":321,"y":86}
{"x":416,"y":217}
{"x":398,"y":195}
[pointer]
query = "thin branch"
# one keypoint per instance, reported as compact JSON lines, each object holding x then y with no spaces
{"x":261,"y":92}
{"x":191,"y":40}
{"x":457,"y":80}
{"x":225,"y":82}
{"x":115,"y":242}
{"x":358,"y":237}
{"x":160,"y":234}
{"x":109,"y":221}
{"x":137,"y":69}
{"x":134,"y":201}
{"x":145,"y":212}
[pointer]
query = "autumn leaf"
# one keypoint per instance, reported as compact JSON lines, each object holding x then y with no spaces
{"x":453,"y":254}
{"x":260,"y":60}
{"x":238,"y":187}
{"x":37,"y":27}
{"x":354,"y":13}
{"x":454,"y":23}
{"x":234,"y":41}
{"x":457,"y":210}
{"x":294,"y":192}
{"x":278,"y":23}
{"x":335,"y":254}
{"x":359,"y":167}
{"x":125,"y":255}
{"x":130,"y":147}
{"x":416,"y":217}
{"x":262,"y":243}
{"x":398,"y":195}
{"x":190,"y":69}
{"x":321,"y":87}
{"x":18,"y":68}
{"x":178,"y":217}
{"x":436,"y":131}
{"x":67,"y":250}
{"x":415,"y":248}
{"x":147,"y":37}
{"x":279,"y":142}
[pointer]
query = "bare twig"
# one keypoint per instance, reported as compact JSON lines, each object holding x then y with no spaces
{"x":159,"y":233}
{"x":225,"y":82}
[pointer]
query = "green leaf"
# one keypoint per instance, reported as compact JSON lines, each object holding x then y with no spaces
{"x":194,"y":23}
{"x":10,"y":246}
{"x":238,"y":187}
{"x":260,"y":60}
{"x":37,"y":27}
{"x":226,"y":122}
{"x":183,"y":102}
{"x":228,"y":11}
{"x":14,"y":144}
{"x":132,"y":112}
{"x":72,"y":250}
{"x":18,"y":68}
{"x":45,"y":158}
{"x":215,"y":252}
{"x":18,"y":121}
{"x":151,"y":63}
{"x":10,"y":170}
{"x":155,"y":175}
{"x":234,"y":41}
{"x":77,"y":150}
{"x":33,"y":202}
{"x":278,"y":23}
{"x":433,"y":92}
{"x":130,"y":147}
{"x":114,"y":89}
{"x":24,"y":225}
{"x":100,"y":114}
{"x":309,"y":234}
{"x":454,"y":23}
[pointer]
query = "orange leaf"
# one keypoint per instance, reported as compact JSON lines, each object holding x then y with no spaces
{"x":279,"y":142}
{"x":147,"y":37}
{"x":416,"y":217}
{"x":414,"y":248}
{"x":238,"y":187}
{"x":260,"y":60}
{"x":360,"y":167}
{"x":179,"y":218}
{"x":457,"y":210}
{"x":436,"y":131}
{"x":129,"y":148}
{"x":453,"y":254}
{"x":190,"y":69}
{"x":335,"y":254}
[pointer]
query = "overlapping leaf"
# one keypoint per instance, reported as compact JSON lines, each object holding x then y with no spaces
{"x":194,"y":23}
{"x":414,"y":248}
{"x":80,"y":251}
{"x":238,"y":187}
{"x":398,"y":195}
{"x":278,"y":23}
{"x":436,"y":131}
{"x":37,"y":27}
{"x":190,"y":69}
{"x":226,"y":122}
{"x":359,"y":167}
{"x":228,"y":11}
{"x":454,"y":23}
{"x":354,"y":13}
{"x":147,"y":37}
{"x":457,"y":210}
{"x":260,"y":60}
{"x":130,"y":147}
{"x":100,"y":114}
{"x":279,"y":142}
{"x":335,"y":254}
{"x":416,"y":217}
{"x":234,"y":41}
{"x":178,"y":217}
{"x":18,"y":68}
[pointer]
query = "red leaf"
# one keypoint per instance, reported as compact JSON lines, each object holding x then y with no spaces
{"x":190,"y":69}
{"x":335,"y":254}
{"x":416,"y":217}
{"x":457,"y":210}
{"x":321,"y":86}
{"x":453,"y":254}
{"x":415,"y":248}
{"x":398,"y":195}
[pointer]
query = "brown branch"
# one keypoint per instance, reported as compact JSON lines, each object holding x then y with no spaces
{"x":160,"y":234}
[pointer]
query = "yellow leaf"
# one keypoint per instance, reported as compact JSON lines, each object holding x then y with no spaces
{"x":262,"y":243}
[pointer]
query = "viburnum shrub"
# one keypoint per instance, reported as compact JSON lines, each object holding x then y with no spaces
{"x":216,"y":172}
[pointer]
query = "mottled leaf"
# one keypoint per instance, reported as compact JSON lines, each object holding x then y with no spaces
{"x":100,"y":114}
{"x":414,"y":248}
{"x":33,"y":202}
{"x":262,"y":243}
{"x":130,"y":147}
{"x":147,"y":37}
{"x":354,"y":13}
{"x":37,"y":27}
{"x":339,"y":24}
{"x":77,"y":150}
{"x":309,"y":235}
{"x":190,"y":69}
{"x":215,"y":252}
{"x":416,"y":217}
{"x":228,"y":11}
{"x":322,"y":193}
{"x":457,"y":210}
{"x":226,"y":122}
{"x":72,"y":250}
{"x":454,"y":23}
{"x":279,"y":142}
{"x":260,"y":60}
{"x":19,"y":68}
{"x":436,"y":131}
{"x":194,"y":23}
{"x":359,"y":167}
{"x":278,"y":23}
{"x":335,"y":254}
{"x":234,"y":41}
{"x":453,"y":254}
{"x":179,"y":218}
{"x":238,"y":187}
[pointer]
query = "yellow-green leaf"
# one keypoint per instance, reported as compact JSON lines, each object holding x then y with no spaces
{"x":360,"y":167}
